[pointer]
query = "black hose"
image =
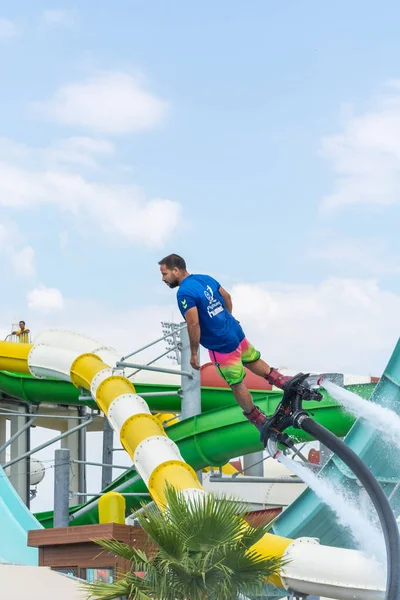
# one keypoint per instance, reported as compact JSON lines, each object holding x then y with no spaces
{"x":375,"y":492}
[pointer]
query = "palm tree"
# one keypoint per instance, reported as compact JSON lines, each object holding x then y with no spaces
{"x":201,"y":551}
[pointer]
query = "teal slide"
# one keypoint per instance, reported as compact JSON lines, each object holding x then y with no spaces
{"x":16,"y":521}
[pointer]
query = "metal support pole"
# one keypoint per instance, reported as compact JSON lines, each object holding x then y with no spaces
{"x":130,"y":494}
{"x":72,"y":443}
{"x":253,"y":464}
{"x":46,"y":444}
{"x":19,"y":452}
{"x":16,"y":435}
{"x":159,"y":394}
{"x":6,"y":413}
{"x":61,"y":488}
{"x":150,"y":362}
{"x":108,"y":442}
{"x":28,"y":460}
{"x":82,"y":455}
{"x":98,"y":464}
{"x":155,"y":369}
{"x":3,"y":439}
{"x":244,"y":479}
{"x":191,"y":389}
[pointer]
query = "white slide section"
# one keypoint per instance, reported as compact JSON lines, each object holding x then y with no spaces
{"x":312,"y":568}
{"x":69,"y":340}
{"x":332,"y":572}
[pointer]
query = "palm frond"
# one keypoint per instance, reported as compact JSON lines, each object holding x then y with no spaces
{"x":131,"y":586}
{"x":167,"y":538}
{"x":205,"y":521}
{"x":129,"y":553}
{"x":108,"y":591}
{"x":246,"y":564}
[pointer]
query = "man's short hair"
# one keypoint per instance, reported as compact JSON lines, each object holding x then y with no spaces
{"x":21,"y":321}
{"x":173,"y":260}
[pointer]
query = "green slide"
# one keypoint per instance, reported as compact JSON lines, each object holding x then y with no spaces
{"x":212,"y":438}
{"x":54,"y":391}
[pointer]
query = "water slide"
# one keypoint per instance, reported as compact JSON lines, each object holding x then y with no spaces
{"x":16,"y":521}
{"x":211,"y":438}
{"x":312,"y":568}
{"x":55,"y":391}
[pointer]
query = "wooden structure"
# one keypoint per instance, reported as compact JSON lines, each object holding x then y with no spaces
{"x":73,"y":550}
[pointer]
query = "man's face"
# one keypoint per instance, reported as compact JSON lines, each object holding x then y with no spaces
{"x":170,"y":276}
{"x":21,"y":325}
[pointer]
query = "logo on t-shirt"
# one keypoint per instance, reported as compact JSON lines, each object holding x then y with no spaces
{"x":214,"y":306}
{"x":184,"y":303}
{"x":209,"y":294}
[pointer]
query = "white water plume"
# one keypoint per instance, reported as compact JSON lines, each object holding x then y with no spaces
{"x":367,"y":537}
{"x":381,"y":418}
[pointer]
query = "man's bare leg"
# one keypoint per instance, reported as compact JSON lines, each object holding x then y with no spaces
{"x":243,"y":397}
{"x":262,"y":369}
{"x":259,"y":367}
{"x":245,"y":401}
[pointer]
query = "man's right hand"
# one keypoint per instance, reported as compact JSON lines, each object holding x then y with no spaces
{"x":194,"y":362}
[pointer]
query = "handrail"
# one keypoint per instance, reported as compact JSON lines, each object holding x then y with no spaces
{"x":15,"y":338}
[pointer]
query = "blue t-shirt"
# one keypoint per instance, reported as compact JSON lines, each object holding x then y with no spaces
{"x":219,"y":330}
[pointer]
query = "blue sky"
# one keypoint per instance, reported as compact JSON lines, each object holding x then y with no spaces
{"x":258,"y":140}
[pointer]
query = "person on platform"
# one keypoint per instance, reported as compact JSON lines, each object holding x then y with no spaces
{"x":22,"y":333}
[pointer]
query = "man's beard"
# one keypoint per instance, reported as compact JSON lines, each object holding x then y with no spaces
{"x":173,"y":284}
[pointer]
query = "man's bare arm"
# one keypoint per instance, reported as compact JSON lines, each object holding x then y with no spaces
{"x":227,"y":298}
{"x":193,"y":325}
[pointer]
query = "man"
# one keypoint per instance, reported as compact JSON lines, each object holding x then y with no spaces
{"x":22,"y":333}
{"x":207,"y":308}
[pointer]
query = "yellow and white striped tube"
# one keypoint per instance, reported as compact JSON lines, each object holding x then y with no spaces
{"x":156,"y":457}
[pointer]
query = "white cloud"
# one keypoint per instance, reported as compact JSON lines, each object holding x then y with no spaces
{"x":8,"y":29}
{"x":106,"y":324}
{"x":78,"y":150}
{"x":24,"y":262}
{"x":45,"y":299}
{"x":33,"y":177}
{"x":345,"y":325}
{"x":110,"y":102}
{"x":22,"y":258}
{"x":369,"y":256}
{"x":365,"y":155}
{"x":56,"y":18}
